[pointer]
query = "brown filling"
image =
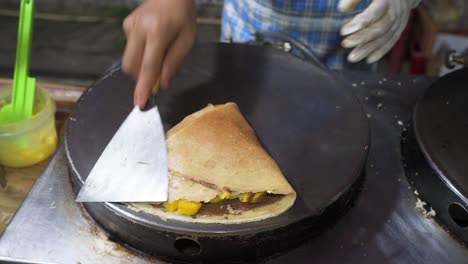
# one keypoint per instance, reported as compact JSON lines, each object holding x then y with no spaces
{"x":233,"y":206}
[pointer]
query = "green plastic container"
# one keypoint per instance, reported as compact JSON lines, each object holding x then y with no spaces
{"x":30,"y":141}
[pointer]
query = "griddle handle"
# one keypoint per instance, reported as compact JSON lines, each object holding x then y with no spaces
{"x":308,"y":54}
{"x":452,"y":59}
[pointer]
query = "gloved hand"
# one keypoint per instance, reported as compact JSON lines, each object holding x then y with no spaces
{"x":159,"y":35}
{"x":373,"y":32}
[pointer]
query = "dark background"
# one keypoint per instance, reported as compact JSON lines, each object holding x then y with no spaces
{"x":75,"y":40}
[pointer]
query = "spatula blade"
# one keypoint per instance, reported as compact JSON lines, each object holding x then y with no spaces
{"x":133,"y":166}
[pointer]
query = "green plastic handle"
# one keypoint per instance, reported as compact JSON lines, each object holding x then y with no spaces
{"x":24,"y":86}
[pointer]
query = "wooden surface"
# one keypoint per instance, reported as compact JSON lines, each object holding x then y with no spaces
{"x":19,"y":181}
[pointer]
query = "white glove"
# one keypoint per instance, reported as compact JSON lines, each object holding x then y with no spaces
{"x":373,"y":32}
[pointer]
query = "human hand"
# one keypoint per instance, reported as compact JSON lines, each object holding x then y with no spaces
{"x":373,"y":32}
{"x":160,"y":33}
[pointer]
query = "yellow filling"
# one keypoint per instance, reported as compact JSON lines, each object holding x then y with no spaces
{"x":188,"y":207}
{"x":223,"y":196}
{"x":171,"y":207}
{"x":183,"y":207}
{"x":244,"y":197}
{"x":191,"y":208}
{"x":257,"y":195}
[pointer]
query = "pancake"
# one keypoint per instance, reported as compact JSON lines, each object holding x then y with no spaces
{"x":219,"y":172}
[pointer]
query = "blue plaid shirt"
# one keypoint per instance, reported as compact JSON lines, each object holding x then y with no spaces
{"x":315,"y":23}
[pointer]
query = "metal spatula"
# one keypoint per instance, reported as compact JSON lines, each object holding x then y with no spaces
{"x":133,"y":166}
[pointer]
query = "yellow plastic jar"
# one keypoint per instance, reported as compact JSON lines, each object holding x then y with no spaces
{"x":30,"y":141}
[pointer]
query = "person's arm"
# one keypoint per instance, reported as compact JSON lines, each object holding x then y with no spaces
{"x":160,"y":33}
{"x":373,"y":32}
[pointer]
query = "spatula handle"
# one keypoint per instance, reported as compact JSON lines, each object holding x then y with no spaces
{"x":152,"y":100}
{"x":21,"y":93}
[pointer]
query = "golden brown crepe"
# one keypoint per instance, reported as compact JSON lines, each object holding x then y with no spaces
{"x":214,"y":152}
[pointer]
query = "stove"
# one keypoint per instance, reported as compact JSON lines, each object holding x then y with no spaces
{"x":383,"y":225}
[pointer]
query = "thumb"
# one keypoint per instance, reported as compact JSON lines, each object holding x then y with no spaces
{"x":347,"y":5}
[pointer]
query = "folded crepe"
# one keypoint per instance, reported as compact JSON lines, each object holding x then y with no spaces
{"x":219,"y":172}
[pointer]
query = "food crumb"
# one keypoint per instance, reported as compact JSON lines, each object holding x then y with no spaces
{"x":431,"y":213}
{"x":416,"y":192}
{"x":420,"y":206}
{"x":379,"y":105}
{"x":52,"y":205}
{"x":368,"y":115}
{"x":399,"y":83}
{"x":363,"y":83}
{"x":400,"y":122}
{"x":232,"y":210}
{"x":366,"y":98}
{"x":354,"y":84}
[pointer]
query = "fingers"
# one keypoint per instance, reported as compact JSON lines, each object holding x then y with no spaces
{"x":155,"y":49}
{"x":347,"y":5}
{"x":373,"y":13}
{"x":365,"y":35}
{"x":158,"y":32}
{"x":133,"y":54}
{"x":379,"y":53}
{"x":365,"y":49}
{"x":176,"y":54}
{"x":374,"y":32}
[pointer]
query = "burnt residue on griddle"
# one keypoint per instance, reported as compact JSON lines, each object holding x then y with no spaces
{"x":116,"y":248}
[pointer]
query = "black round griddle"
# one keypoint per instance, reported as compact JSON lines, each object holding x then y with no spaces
{"x":436,"y":151}
{"x":306,"y":118}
